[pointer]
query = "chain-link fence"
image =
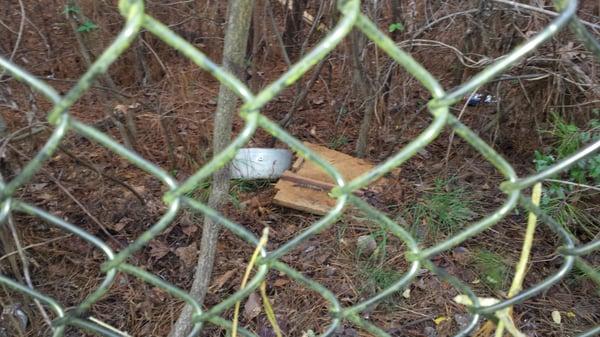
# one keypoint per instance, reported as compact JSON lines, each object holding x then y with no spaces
{"x":177,"y":197}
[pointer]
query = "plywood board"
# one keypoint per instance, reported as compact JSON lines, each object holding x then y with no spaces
{"x":350,"y":167}
{"x":312,"y":195}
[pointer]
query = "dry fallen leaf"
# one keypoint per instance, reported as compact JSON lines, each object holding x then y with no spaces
{"x":140,"y":189}
{"x":280,"y":282}
{"x":158,"y":249}
{"x":189,"y":230}
{"x":121,"y":224}
{"x":221,"y":280}
{"x":252,"y":307}
{"x":187,"y":254}
{"x":440,"y":319}
{"x":158,"y":295}
{"x":45,"y":196}
{"x":38,"y":187}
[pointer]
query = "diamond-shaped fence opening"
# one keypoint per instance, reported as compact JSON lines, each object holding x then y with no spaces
{"x":177,"y":198}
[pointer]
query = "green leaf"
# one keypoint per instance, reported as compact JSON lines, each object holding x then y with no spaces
{"x":87,"y":27}
{"x":577,"y":174}
{"x":396,"y":26}
{"x":542,"y":161}
{"x":70,"y":9}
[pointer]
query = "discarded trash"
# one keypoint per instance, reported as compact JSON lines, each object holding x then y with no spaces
{"x":477,"y":99}
{"x":260,"y":163}
{"x":305,"y":186}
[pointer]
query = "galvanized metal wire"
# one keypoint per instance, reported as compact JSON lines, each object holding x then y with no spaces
{"x":178,"y":198}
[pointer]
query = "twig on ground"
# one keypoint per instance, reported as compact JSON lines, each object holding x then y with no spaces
{"x":91,"y":166}
{"x":33,"y":245}
{"x":451,"y":138}
{"x":306,"y":16}
{"x":261,"y":244}
{"x":20,"y":34}
{"x":541,"y":10}
{"x":26,"y":274}
{"x":72,"y":197}
{"x":94,"y":86}
{"x":284,"y":52}
{"x":160,"y":62}
{"x":15,"y":136}
{"x":583,"y":186}
{"x":285,"y":121}
{"x":436,"y":21}
{"x":83,"y":162}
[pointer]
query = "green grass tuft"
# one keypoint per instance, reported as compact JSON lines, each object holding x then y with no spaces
{"x":337,"y":142}
{"x":379,"y":277}
{"x":563,"y":198}
{"x":444,"y":210}
{"x":494,"y":270}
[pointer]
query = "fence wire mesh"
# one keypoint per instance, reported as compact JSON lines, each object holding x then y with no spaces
{"x":178,"y":197}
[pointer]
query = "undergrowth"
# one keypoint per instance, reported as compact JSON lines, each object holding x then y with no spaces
{"x":445,"y":210}
{"x":371,"y":264}
{"x":236,"y":189}
{"x":493,"y":269}
{"x":563,"y":197}
{"x":378,"y":277}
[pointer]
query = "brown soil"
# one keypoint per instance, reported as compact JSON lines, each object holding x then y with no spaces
{"x":68,"y":268}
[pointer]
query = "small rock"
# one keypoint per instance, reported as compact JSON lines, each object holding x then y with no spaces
{"x":330,"y":271}
{"x":461,"y":255}
{"x":422,"y":272}
{"x":309,"y":249}
{"x":462,"y":320}
{"x":252,"y":307}
{"x":345,"y":332}
{"x":430,"y":331}
{"x":424,"y":153}
{"x":366,"y":244}
{"x":402,"y":221}
{"x":15,"y":314}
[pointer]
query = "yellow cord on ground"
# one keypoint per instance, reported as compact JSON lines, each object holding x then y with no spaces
{"x":269,"y":310}
{"x":517,"y":283}
{"x":263,"y":242}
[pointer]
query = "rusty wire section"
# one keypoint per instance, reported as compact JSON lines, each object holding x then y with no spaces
{"x":178,"y":197}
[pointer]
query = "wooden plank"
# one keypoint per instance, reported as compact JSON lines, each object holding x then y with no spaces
{"x":313,"y":201}
{"x":312,"y":183}
{"x":349,"y":167}
{"x":307,"y":188}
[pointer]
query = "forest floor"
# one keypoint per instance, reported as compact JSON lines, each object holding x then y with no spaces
{"x":435,"y":194}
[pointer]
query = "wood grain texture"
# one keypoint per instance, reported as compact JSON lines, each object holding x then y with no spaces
{"x":311,"y":197}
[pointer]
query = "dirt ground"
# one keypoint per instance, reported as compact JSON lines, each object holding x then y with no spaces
{"x":181,"y":99}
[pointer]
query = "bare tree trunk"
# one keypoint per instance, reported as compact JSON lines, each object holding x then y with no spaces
{"x":258,"y":41}
{"x":209,"y":23}
{"x":397,"y":18}
{"x":361,"y":83}
{"x":76,"y":18}
{"x":293,"y":27}
{"x":126,"y":124}
{"x":236,"y":39}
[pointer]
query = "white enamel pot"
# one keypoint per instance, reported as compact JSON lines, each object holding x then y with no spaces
{"x":260,"y":163}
